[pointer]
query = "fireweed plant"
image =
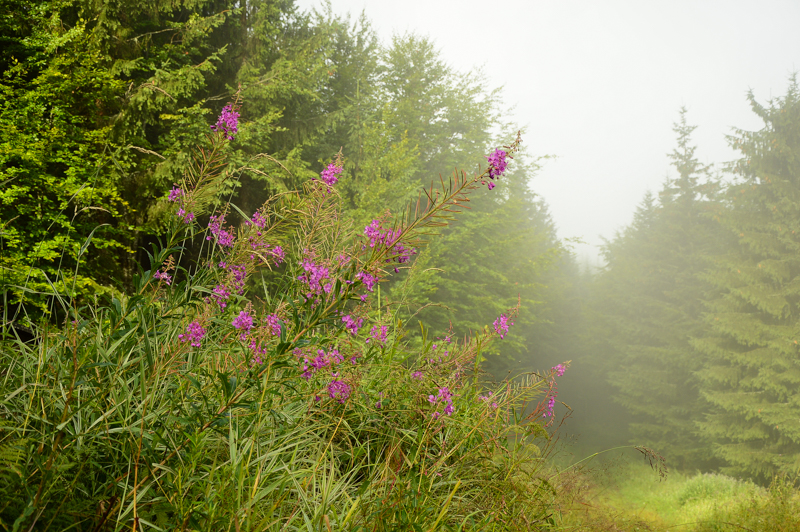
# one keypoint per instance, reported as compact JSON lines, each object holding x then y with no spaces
{"x":191,"y":404}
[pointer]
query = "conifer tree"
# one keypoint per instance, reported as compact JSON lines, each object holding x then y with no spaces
{"x":101,"y":104}
{"x":653,"y":289}
{"x":751,"y":374}
{"x":403,"y":118}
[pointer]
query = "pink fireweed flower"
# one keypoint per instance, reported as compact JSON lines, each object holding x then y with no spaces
{"x":401,"y":255}
{"x":228,"y":122}
{"x":274,"y":324}
{"x":221,"y":295}
{"x":352,"y":325}
{"x":497,"y":163}
{"x":243,"y":322}
{"x":239,"y":277}
{"x":163,"y":276}
{"x":313,"y":276}
{"x":185,"y":216}
{"x":255,"y":347}
{"x":551,"y":404}
{"x":559,"y":369}
{"x":259,"y":219}
{"x":194,"y":334}
{"x":377,"y":236}
{"x":369,"y":280}
{"x":339,"y":390}
{"x":175,"y":194}
{"x":501,"y":325}
{"x":328,"y":176}
{"x":374,"y":233}
{"x":444,"y":396}
{"x":417,"y":375}
{"x":322,"y":360}
{"x":278,"y":255}
{"x":378,"y":334}
{"x":223,"y":237}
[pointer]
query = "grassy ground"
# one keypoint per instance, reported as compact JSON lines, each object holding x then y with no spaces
{"x":630,"y":497}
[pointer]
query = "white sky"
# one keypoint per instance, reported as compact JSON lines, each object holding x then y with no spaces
{"x":598,"y":83}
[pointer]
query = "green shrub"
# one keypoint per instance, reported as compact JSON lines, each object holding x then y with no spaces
{"x":192,"y":404}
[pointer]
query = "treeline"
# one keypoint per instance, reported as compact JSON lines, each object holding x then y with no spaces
{"x":101,"y":104}
{"x":695,"y":318}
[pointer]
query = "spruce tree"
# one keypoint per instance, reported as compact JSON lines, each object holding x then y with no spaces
{"x":101,"y":104}
{"x":654,"y":289}
{"x":403,"y":118}
{"x":751,"y":374}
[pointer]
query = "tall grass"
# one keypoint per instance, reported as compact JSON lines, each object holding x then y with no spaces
{"x":192,"y":404}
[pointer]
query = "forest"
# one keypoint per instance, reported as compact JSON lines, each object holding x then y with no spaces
{"x":261,"y":270}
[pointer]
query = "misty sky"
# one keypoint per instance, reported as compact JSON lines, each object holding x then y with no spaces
{"x":599,"y":84}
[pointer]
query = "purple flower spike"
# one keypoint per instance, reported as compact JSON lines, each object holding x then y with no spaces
{"x":339,"y":390}
{"x":194,"y":334}
{"x":274,"y":324}
{"x":175,"y":194}
{"x":501,"y":326}
{"x":378,"y":334}
{"x":497,"y":163}
{"x":369,"y":280}
{"x":328,"y":175}
{"x":163,"y":276}
{"x":444,"y":396}
{"x":551,"y":404}
{"x":224,"y":237}
{"x":351,"y":324}
{"x":313,"y":276}
{"x":220,"y":294}
{"x":259,"y":220}
{"x":244,"y":321}
{"x":187,"y":217}
{"x":228,"y":122}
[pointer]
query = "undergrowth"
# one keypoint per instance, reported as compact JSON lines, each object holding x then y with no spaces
{"x":628,"y":497}
{"x":254,"y":380}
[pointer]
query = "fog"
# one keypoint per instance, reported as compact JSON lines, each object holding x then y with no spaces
{"x":598,"y":85}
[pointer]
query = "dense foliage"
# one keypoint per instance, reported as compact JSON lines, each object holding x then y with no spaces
{"x":314,"y":85}
{"x":690,"y":327}
{"x":191,"y":405}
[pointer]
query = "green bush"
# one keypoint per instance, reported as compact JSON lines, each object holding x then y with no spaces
{"x":192,"y":404}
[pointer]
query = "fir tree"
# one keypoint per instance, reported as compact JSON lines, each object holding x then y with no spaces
{"x":751,"y":374}
{"x":101,"y":104}
{"x":654,"y":290}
